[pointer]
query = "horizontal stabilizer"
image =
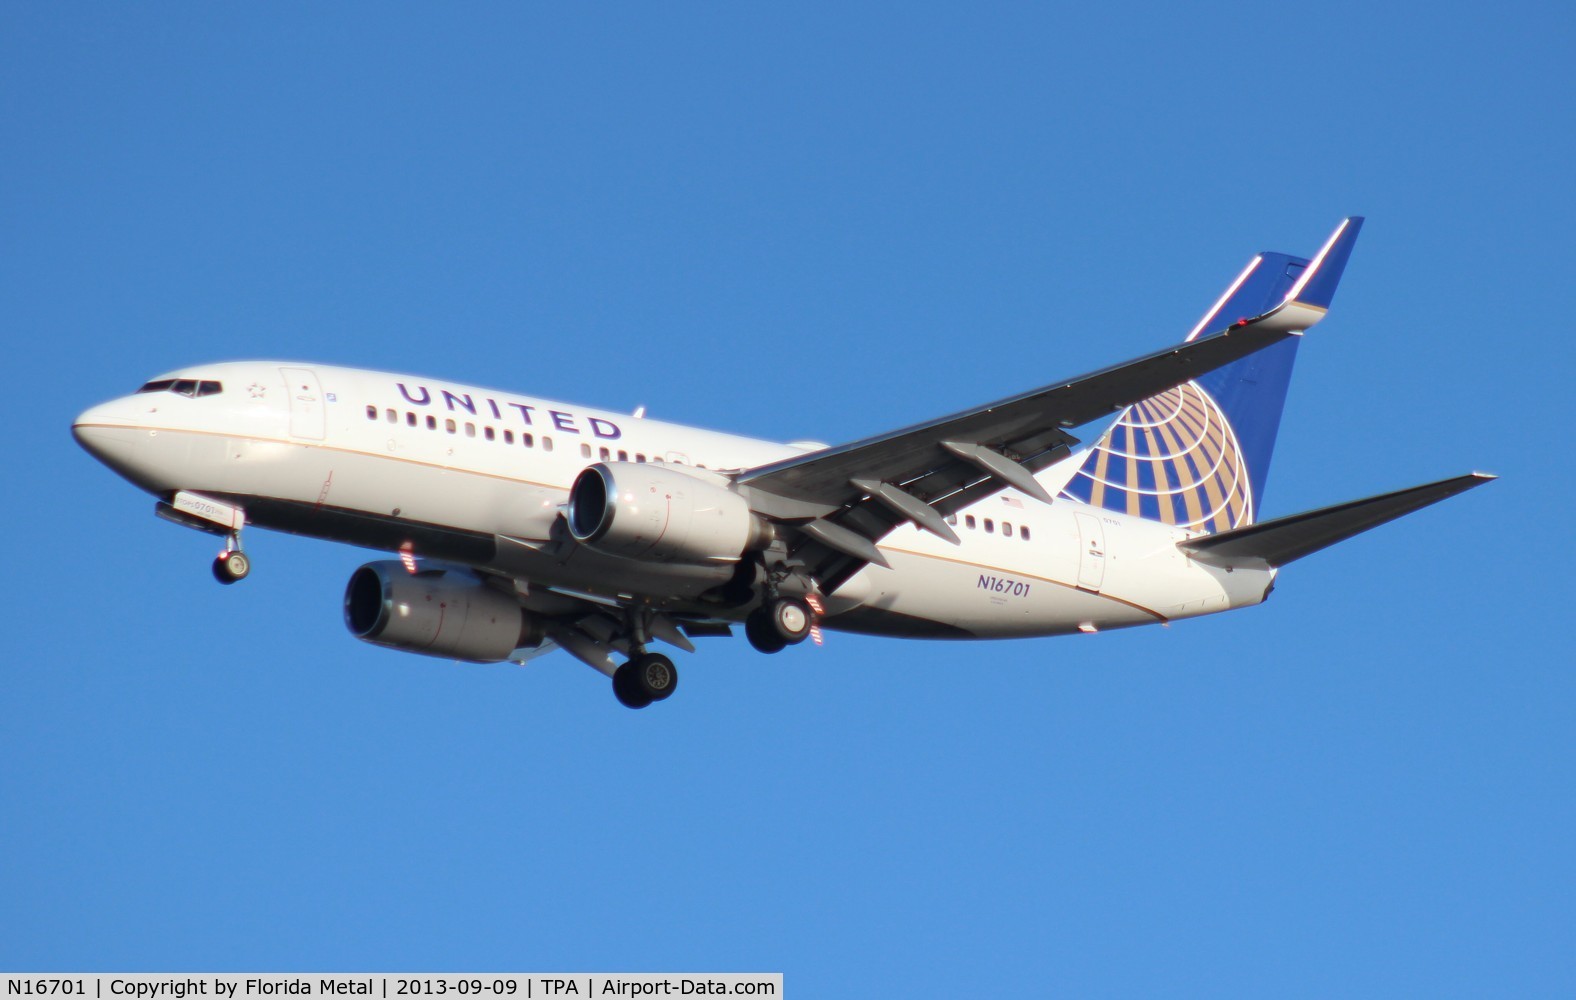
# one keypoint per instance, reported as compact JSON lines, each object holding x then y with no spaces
{"x":1278,"y":542}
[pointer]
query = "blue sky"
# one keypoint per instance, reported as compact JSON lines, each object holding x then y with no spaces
{"x":805,"y":222}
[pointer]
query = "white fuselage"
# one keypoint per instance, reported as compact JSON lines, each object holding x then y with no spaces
{"x":481,"y":476}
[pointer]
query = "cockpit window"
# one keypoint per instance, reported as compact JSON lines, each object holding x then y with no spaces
{"x":184,"y":387}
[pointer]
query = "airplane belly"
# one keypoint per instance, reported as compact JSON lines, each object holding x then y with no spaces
{"x":483,"y":519}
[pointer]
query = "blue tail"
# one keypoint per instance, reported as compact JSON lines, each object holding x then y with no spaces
{"x":1198,"y":455}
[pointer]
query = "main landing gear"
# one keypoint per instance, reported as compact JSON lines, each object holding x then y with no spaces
{"x":646,"y":678}
{"x":779,"y":623}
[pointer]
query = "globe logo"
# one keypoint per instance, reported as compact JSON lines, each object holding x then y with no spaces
{"x":1172,"y":458}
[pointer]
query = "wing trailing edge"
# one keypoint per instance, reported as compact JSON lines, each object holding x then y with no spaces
{"x":1285,"y":539}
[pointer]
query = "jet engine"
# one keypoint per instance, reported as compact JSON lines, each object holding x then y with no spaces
{"x":658,"y":513}
{"x":438,"y":611}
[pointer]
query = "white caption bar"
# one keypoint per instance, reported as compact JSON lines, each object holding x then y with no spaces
{"x":386,"y":986}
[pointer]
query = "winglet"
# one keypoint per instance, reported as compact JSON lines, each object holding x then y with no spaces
{"x":1316,"y":287}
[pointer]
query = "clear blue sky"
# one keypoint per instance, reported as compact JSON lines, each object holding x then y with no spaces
{"x":805,"y":221}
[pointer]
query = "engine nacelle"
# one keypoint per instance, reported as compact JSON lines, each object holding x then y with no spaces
{"x":447,"y":612}
{"x":658,"y":513}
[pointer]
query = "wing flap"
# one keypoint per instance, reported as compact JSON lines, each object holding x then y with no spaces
{"x":1283,"y":540}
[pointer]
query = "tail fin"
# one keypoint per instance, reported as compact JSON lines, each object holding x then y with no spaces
{"x":1198,"y":455}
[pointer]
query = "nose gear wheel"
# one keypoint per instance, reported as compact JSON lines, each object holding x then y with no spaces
{"x":231,"y":566}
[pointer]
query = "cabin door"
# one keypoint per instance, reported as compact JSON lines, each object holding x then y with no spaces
{"x":307,"y":419}
{"x":1091,"y":552}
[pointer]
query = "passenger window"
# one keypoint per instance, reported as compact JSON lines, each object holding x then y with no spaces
{"x":528,"y":440}
{"x":470,"y":430}
{"x":487,"y":432}
{"x":990,"y":526}
{"x":432,"y":423}
{"x":1006,"y":528}
{"x":372,"y":413}
{"x":410,"y":419}
{"x":606,"y":455}
{"x":585,"y":451}
{"x":639,"y":457}
{"x":450,"y":426}
{"x":547,"y":444}
{"x":508,"y":436}
{"x":623,"y":456}
{"x":952,"y":519}
{"x":968,"y":521}
{"x":1024,"y":534}
{"x":393,"y":417}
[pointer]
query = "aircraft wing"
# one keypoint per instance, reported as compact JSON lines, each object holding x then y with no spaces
{"x":843,"y":500}
{"x":1021,"y":428}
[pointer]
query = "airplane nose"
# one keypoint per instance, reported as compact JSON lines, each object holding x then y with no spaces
{"x":103,"y":413}
{"x":109,"y":434}
{"x":91,"y":422}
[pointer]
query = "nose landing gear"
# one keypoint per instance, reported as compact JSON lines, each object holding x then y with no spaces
{"x":215,"y":517}
{"x":232,"y":565}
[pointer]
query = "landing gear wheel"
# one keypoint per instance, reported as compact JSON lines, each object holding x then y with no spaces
{"x":783,"y":621}
{"x":656,"y":676}
{"x":231,"y":566}
{"x":758,"y":629}
{"x":628,"y":689}
{"x":792,"y":620}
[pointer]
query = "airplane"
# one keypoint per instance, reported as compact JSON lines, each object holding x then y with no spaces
{"x":523,"y":525}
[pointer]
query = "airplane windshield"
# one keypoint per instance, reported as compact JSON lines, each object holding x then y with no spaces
{"x":183,"y":387}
